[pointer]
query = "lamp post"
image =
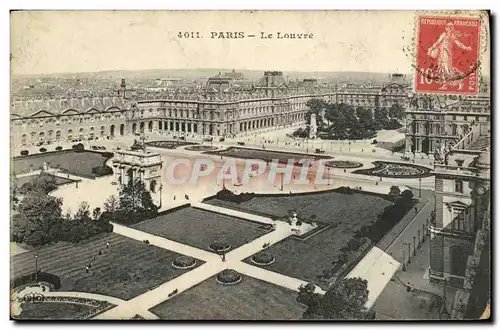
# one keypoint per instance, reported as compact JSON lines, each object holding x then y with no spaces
{"x":414,"y":247}
{"x":418,"y":232}
{"x":328,"y":168}
{"x":419,"y":187}
{"x":409,"y":253}
{"x":404,"y":265}
{"x":282,"y":181}
{"x":160,"y":189}
{"x":36,"y":268}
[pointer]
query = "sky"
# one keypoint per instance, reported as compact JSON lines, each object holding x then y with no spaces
{"x":90,"y":41}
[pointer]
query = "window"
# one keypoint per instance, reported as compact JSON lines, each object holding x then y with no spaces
{"x":454,"y":117}
{"x":458,"y":222}
{"x":459,"y":186}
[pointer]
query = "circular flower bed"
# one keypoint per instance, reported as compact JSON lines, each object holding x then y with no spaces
{"x":201,"y":148}
{"x":220,"y":247}
{"x":263,"y":259}
{"x":184,"y":262}
{"x":343,"y":164}
{"x":396,"y":170}
{"x":228,"y":277}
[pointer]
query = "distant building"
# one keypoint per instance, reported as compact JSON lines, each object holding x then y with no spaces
{"x":432,"y":123}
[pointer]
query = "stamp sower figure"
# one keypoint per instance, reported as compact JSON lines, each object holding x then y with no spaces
{"x":442,"y":50}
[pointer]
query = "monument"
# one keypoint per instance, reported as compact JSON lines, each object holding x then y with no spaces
{"x":313,"y":127}
{"x":138,"y":163}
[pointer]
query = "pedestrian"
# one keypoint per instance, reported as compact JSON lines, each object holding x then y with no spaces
{"x":416,"y":210}
{"x":87,"y":269}
{"x":174,"y":197}
{"x":345,"y":170}
{"x":100,"y":252}
{"x":107,"y":245}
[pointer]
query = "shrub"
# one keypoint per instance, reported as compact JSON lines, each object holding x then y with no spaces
{"x":345,"y":190}
{"x":58,"y":148}
{"x":25,"y":153}
{"x":227,"y":195}
{"x":374,"y":141}
{"x":79,"y":147}
{"x":102,"y":170}
{"x":43,"y":150}
{"x":107,"y":154}
{"x":408,"y":194}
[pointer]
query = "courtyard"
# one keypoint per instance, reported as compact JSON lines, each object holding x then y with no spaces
{"x":20,"y":181}
{"x":78,"y":163}
{"x":201,"y":228}
{"x":251,"y":299}
{"x":266,"y":155}
{"x":124,"y":270}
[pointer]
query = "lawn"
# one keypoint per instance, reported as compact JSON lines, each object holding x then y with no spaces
{"x":200,"y":228}
{"x":29,"y":178}
{"x":52,"y":311}
{"x":77,"y":163}
{"x":266,"y":155}
{"x":306,"y":259}
{"x":251,"y":299}
{"x":125,"y":270}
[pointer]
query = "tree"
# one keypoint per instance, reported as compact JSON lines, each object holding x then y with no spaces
{"x":111,"y":204}
{"x":394,"y":192}
{"x":381,"y":118}
{"x":136,"y":203}
{"x":344,"y":301}
{"x":39,"y":218}
{"x":396,"y":111}
{"x":316,"y":106}
{"x":365,"y":118}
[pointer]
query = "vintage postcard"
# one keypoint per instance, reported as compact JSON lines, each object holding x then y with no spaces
{"x":250,"y":165}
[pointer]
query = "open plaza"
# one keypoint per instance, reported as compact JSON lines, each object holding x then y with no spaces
{"x":140,"y":280}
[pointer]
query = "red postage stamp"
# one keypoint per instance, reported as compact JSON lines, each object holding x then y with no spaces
{"x":447,"y":55}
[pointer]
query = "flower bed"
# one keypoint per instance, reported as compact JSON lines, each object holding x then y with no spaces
{"x":396,"y":170}
{"x":220,"y":247}
{"x":343,"y":164}
{"x":200,"y":148}
{"x":263,"y":259}
{"x":168,"y":144}
{"x":228,"y":277}
{"x":184,"y":262}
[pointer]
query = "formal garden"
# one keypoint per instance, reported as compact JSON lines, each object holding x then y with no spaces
{"x":396,"y":170}
{"x":169,"y":144}
{"x":250,"y":299}
{"x":203,"y":229}
{"x":352,"y":222}
{"x":26,"y":182}
{"x":266,"y":155}
{"x":85,"y":163}
{"x":107,"y":264}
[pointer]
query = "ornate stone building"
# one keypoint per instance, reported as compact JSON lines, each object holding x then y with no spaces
{"x":462,"y":179}
{"x":223,"y":107}
{"x":433,"y":122}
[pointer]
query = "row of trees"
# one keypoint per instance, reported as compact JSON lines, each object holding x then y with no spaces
{"x":347,"y":122}
{"x":38,"y":218}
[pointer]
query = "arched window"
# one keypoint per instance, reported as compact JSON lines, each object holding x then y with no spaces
{"x":459,"y":186}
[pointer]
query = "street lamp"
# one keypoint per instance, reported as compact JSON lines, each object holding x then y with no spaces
{"x":419,"y":187}
{"x":404,"y":265}
{"x":36,"y":268}
{"x":282,"y":181}
{"x":160,"y":189}
{"x":414,"y":247}
{"x":409,"y":253}
{"x":328,"y":168}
